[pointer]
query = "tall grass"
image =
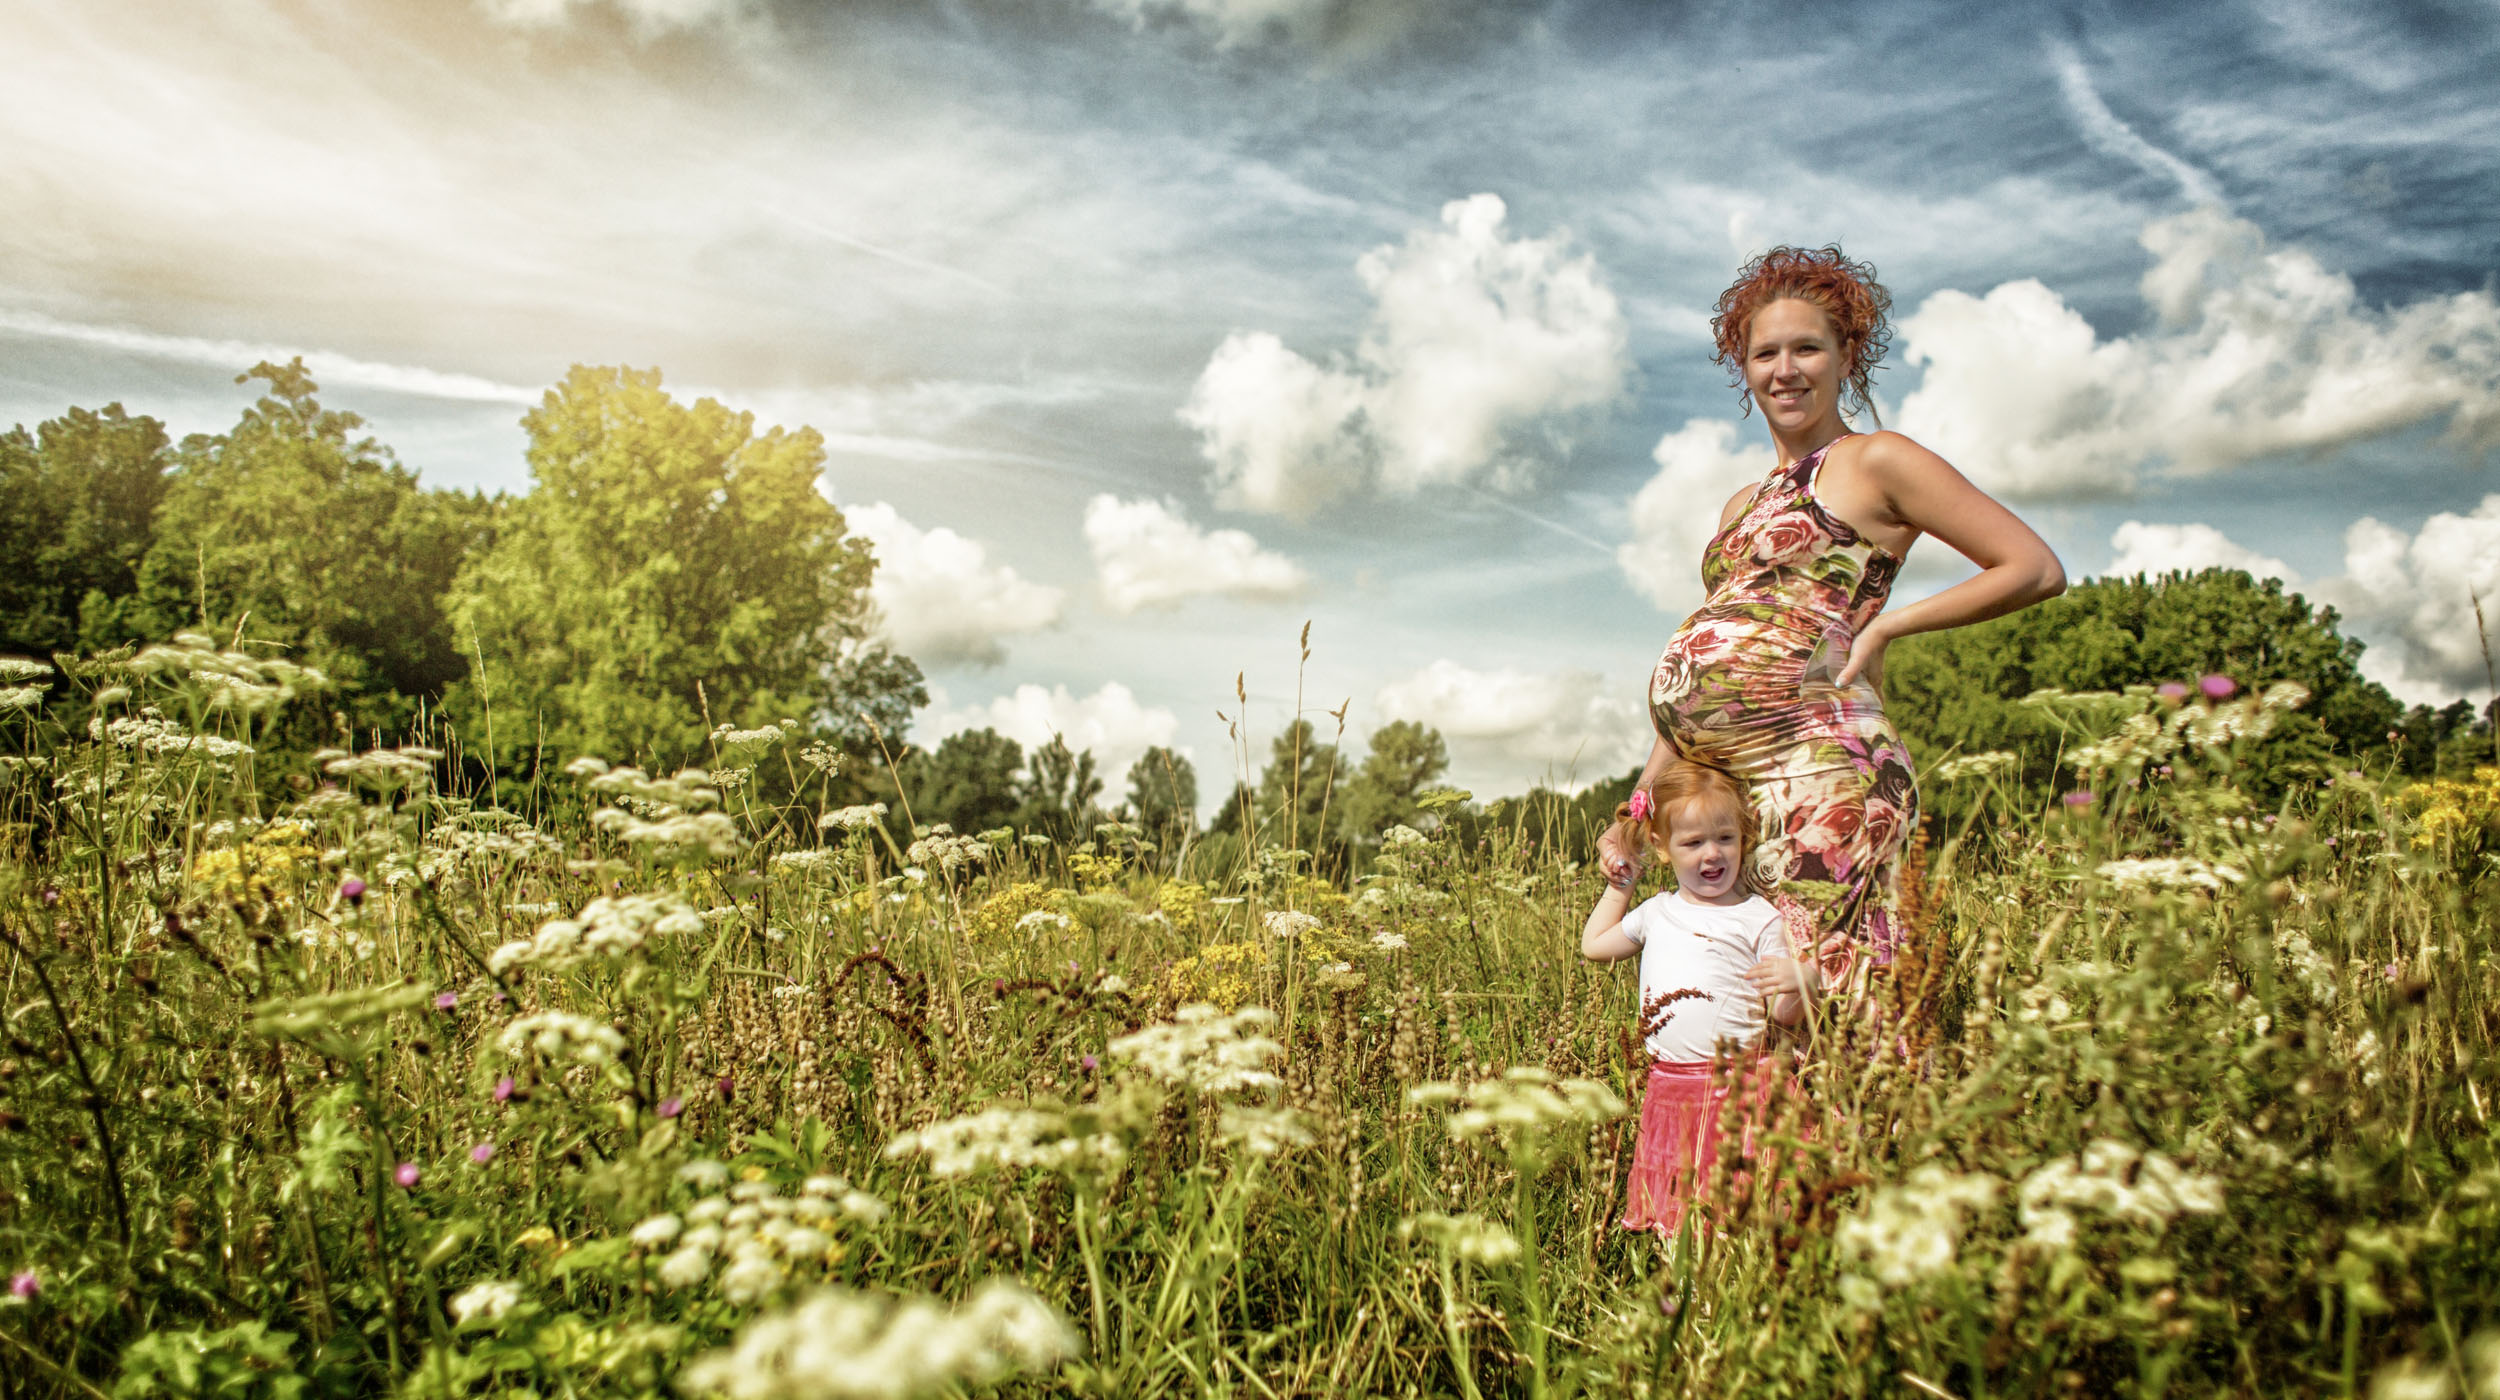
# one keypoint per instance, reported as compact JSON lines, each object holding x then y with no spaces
{"x":380,"y":1090}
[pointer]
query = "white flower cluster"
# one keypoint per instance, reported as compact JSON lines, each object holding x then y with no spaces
{"x":1010,"y":1139}
{"x":1910,"y":1231}
{"x":231,"y":680}
{"x":1402,"y":837}
{"x":2170,"y":873}
{"x":485,"y":1302}
{"x":1525,"y":1102}
{"x":1288,"y":924}
{"x":2150,"y":737}
{"x":1481,"y":1242}
{"x":150,"y":732}
{"x":383,"y":768}
{"x":844,"y":1345}
{"x":2114,"y":1180}
{"x":1974,"y":765}
{"x":18,"y":669}
{"x":755,"y":1233}
{"x":611,"y":926}
{"x":1203,"y":1049}
{"x":806,"y":862}
{"x":1039,"y":919}
{"x":21,"y":697}
{"x":561,"y":1035}
{"x":1387,"y":941}
{"x":677,"y":833}
{"x":947,"y":851}
{"x":1264,"y":1132}
{"x":2314,"y":971}
{"x":851,"y":818}
{"x":729,"y":737}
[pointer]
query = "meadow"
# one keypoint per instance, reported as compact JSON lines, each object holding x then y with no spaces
{"x":340,"y":1080}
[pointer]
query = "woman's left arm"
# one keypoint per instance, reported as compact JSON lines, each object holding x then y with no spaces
{"x":1923,"y":491}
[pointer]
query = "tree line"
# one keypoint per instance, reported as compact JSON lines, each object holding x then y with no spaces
{"x":673,"y":573}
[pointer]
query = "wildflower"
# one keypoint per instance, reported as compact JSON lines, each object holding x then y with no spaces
{"x":2111,"y":1179}
{"x":1912,"y":1230}
{"x":535,"y":1237}
{"x":1264,"y":1132}
{"x":610,"y":926}
{"x":2218,"y":687}
{"x":2080,"y":797}
{"x":406,"y":1174}
{"x":24,"y":1284}
{"x":1285,"y":924}
{"x":1388,"y":942}
{"x":1479,"y":1241}
{"x":686,"y":1267}
{"x":851,"y":818}
{"x":2170,"y":872}
{"x":2395,"y":970}
{"x":503,"y":1089}
{"x":561,"y":1033}
{"x":446,"y":1001}
{"x":752,"y":1273}
{"x":1042,"y":919}
{"x":1521,"y":1109}
{"x":728,"y":1088}
{"x":1975,"y":765}
{"x":352,"y":890}
{"x":703,"y":1173}
{"x":483,"y":1153}
{"x":1009,"y":1139}
{"x":2171,"y":690}
{"x":839,"y":1343}
{"x":672,"y":1106}
{"x":1203,"y":1049}
{"x":485,"y":1302}
{"x":1091,"y":1064}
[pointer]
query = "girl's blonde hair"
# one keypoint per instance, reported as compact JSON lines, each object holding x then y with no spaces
{"x":1682,"y":783}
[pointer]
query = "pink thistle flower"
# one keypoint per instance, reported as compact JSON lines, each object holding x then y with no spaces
{"x":1090,"y":1063}
{"x":446,"y":1001}
{"x":2218,"y":687}
{"x":2395,"y":970}
{"x":2080,"y":797}
{"x":24,"y":1284}
{"x":728,"y":1088}
{"x":483,"y":1153}
{"x":671,"y":1107}
{"x":503,"y":1089}
{"x":406,"y":1175}
{"x":351,"y":889}
{"x":2171,"y":690}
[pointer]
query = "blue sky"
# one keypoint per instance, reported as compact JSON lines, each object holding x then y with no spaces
{"x":1144,"y":330}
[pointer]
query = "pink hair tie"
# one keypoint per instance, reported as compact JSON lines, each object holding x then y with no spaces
{"x":1640,"y":804}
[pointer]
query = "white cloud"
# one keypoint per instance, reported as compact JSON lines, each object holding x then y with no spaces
{"x":1474,"y":338}
{"x":1677,"y":512}
{"x":1110,"y":722}
{"x":2257,"y":352}
{"x":646,"y":16}
{"x":1233,"y":22}
{"x":2412,"y":599}
{"x":2112,"y":136}
{"x":328,"y":369}
{"x":1517,"y":726}
{"x":1147,"y":555}
{"x":2159,"y":549}
{"x":941,"y":598}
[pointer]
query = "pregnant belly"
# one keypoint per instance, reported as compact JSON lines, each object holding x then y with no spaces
{"x":1753,"y":695}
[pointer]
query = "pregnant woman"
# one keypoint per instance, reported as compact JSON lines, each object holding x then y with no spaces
{"x":1778,"y":677}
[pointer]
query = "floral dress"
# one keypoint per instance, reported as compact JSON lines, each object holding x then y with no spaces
{"x":1749,"y":684}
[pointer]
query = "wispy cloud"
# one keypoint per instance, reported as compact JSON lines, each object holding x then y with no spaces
{"x":328,"y":367}
{"x":2111,"y":135}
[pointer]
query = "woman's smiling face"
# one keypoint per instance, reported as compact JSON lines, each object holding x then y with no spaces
{"x":1793,"y":365}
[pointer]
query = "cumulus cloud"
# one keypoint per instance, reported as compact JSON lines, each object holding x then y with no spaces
{"x":2159,"y":549}
{"x":1566,"y":726}
{"x":1475,"y":338}
{"x":2256,"y":352}
{"x":2411,"y":597}
{"x":941,"y":598}
{"x":1110,"y":722}
{"x":1147,"y":555}
{"x":1674,"y":516}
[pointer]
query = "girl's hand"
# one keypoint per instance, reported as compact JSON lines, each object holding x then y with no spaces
{"x":1618,"y":867}
{"x":1774,"y":977}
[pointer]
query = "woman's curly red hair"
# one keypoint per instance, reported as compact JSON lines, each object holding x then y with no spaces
{"x":1842,"y":287}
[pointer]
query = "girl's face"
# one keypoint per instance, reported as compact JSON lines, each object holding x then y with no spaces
{"x":1705,"y":841}
{"x":1793,"y":364}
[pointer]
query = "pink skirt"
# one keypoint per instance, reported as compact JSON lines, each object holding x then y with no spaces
{"x":1679,"y":1141}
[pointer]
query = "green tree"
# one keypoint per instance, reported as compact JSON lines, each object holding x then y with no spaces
{"x":1295,"y":788}
{"x":670,"y":568}
{"x":968,"y":781}
{"x":1163,"y":795}
{"x":1404,"y":759}
{"x":1961,"y":691}
{"x":78,"y":500}
{"x":1059,"y":791}
{"x":293,"y":532}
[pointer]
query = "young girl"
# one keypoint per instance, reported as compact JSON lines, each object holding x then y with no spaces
{"x":1714,"y":958}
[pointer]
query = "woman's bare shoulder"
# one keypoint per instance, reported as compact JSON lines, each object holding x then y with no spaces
{"x":1737,"y":503}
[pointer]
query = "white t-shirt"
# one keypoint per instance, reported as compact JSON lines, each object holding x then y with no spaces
{"x":1704,"y":947}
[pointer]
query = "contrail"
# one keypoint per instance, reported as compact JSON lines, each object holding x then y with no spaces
{"x":235,"y":355}
{"x":874,"y":251}
{"x":1535,"y":519}
{"x":2112,"y":136}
